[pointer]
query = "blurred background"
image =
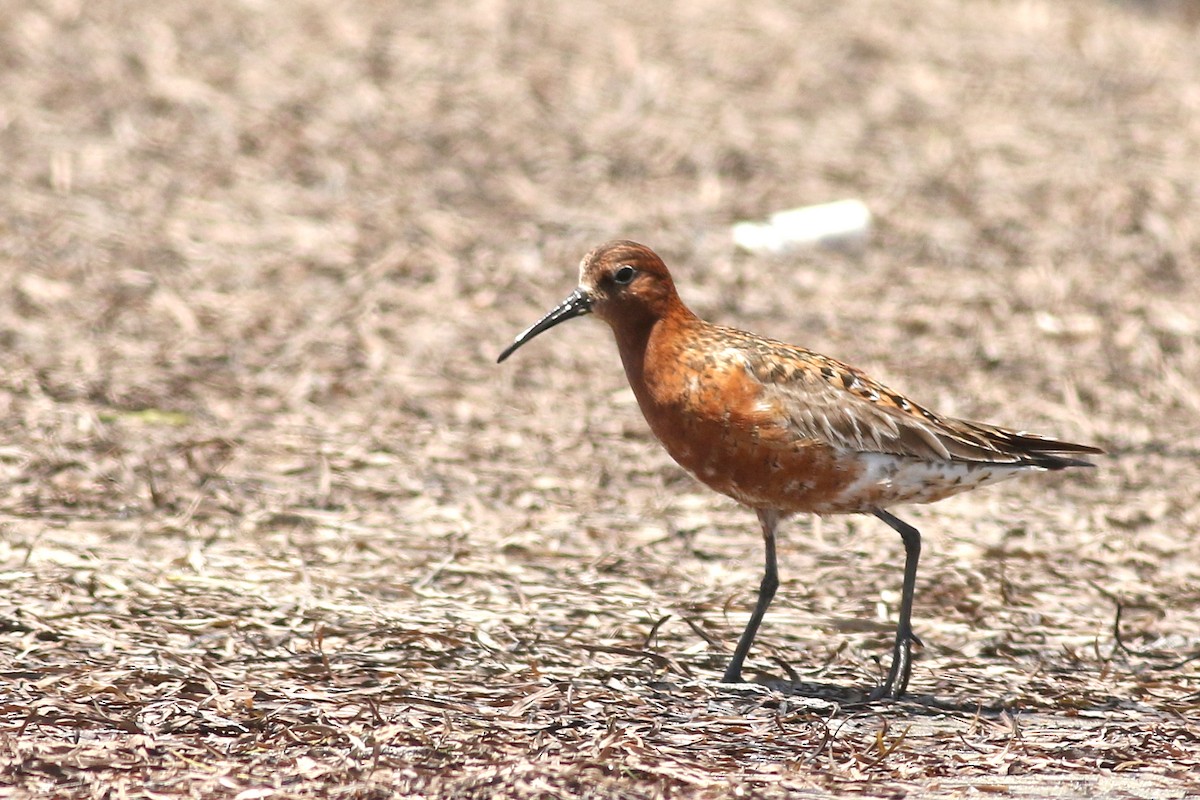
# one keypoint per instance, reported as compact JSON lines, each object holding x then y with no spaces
{"x":257,"y":261}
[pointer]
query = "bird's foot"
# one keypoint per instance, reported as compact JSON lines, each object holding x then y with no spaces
{"x":896,"y":683}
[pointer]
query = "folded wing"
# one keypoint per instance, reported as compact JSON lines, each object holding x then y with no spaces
{"x":829,"y":401}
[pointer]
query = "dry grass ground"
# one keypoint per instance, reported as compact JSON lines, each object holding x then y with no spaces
{"x":275,"y":525}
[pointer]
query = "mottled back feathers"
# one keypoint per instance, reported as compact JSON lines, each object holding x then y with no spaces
{"x":836,"y":403}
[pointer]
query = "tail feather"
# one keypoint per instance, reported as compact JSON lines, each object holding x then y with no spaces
{"x":1038,"y":451}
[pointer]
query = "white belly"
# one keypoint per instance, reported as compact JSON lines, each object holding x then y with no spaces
{"x":888,"y":480}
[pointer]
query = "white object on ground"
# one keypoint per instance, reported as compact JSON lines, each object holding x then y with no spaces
{"x":844,"y":224}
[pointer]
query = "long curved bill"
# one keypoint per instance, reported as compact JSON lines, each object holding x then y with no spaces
{"x":576,"y":305}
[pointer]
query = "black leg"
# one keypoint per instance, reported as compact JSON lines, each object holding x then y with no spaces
{"x":766,"y":591}
{"x":901,"y":669}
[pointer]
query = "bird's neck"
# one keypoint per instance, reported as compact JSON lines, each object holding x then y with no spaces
{"x":643,"y":339}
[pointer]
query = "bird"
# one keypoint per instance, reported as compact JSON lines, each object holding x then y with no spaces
{"x":785,"y":430}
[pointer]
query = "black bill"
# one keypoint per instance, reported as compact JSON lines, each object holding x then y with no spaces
{"x":576,"y":305}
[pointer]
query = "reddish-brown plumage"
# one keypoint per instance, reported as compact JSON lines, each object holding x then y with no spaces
{"x":714,"y":419}
{"x":782,"y":429}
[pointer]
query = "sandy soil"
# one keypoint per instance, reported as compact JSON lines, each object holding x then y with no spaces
{"x":276,"y":525}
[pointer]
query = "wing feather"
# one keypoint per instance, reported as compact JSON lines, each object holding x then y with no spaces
{"x":829,"y":401}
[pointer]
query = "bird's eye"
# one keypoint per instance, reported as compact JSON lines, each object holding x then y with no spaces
{"x":624,"y":275}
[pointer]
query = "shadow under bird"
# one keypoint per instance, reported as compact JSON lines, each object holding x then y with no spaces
{"x":782,"y":429}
